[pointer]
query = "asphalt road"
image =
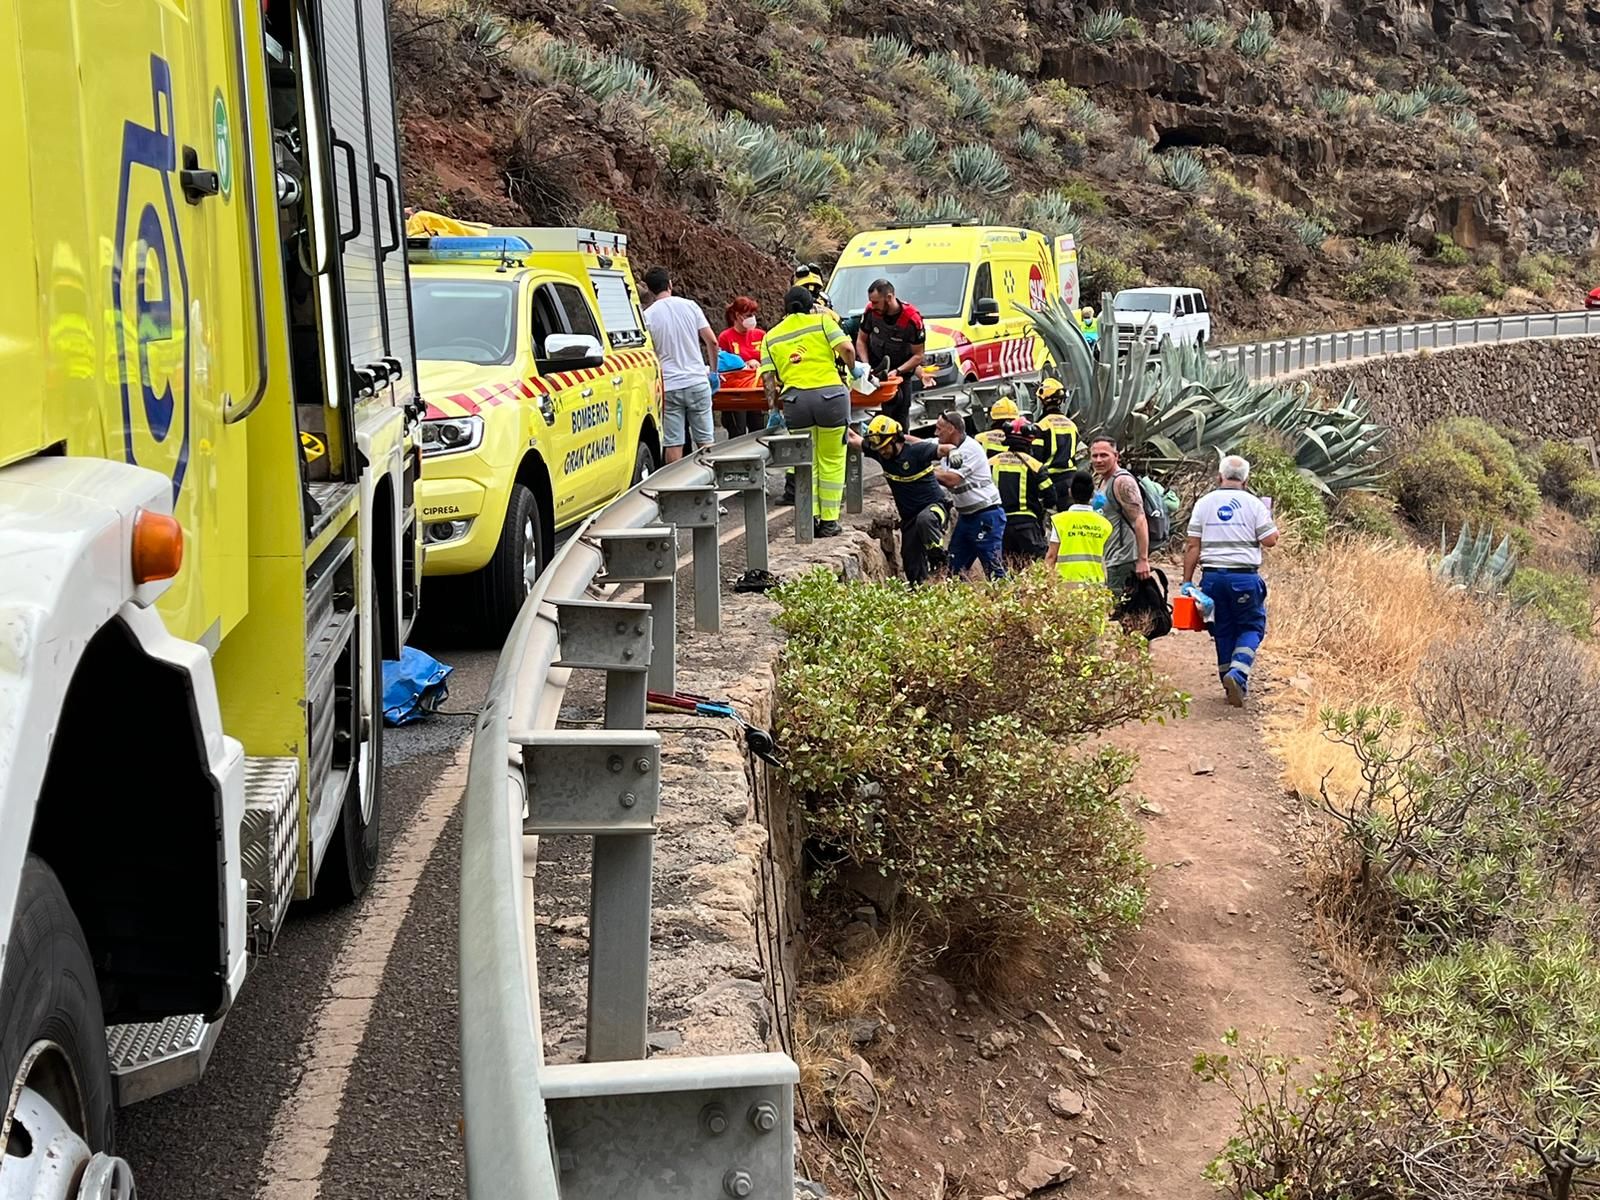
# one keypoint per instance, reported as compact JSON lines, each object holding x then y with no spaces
{"x":263,"y":1123}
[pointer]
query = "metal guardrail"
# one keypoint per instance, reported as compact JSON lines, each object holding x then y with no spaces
{"x":619,"y":1124}
{"x":1305,"y":352}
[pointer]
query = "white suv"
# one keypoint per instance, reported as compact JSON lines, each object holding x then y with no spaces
{"x":1151,"y":314}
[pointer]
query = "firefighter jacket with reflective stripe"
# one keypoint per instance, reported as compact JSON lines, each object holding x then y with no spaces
{"x":1058,"y":444}
{"x":1080,"y":534}
{"x":993,"y":441}
{"x":1025,"y":489}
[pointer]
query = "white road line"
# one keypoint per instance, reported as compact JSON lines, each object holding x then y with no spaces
{"x":302,"y":1131}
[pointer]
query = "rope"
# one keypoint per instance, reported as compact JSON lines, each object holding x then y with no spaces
{"x":854,"y":1151}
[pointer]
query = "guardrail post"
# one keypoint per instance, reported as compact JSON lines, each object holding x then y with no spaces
{"x":697,"y":509}
{"x":748,"y":477}
{"x":854,"y":485}
{"x":794,"y":450}
{"x":650,"y":556}
{"x":606,"y":784}
{"x":614,"y":638}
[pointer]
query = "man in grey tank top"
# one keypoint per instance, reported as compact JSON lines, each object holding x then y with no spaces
{"x":1127,"y":553}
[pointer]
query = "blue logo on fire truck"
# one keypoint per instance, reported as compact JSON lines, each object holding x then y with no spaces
{"x":150,"y":292}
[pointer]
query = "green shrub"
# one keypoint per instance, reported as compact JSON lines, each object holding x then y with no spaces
{"x":1571,"y":181}
{"x":1447,"y":254}
{"x":1203,"y":34}
{"x":1368,"y":514}
{"x":1561,"y":465}
{"x":1255,"y":40}
{"x":1562,"y":597}
{"x":1384,"y":269}
{"x":881,"y":113}
{"x":1490,"y":282}
{"x":1463,"y":471}
{"x":1459,"y":308}
{"x":1083,"y":196}
{"x":1103,"y":272}
{"x":1536,"y":272}
{"x":598,"y":215}
{"x":769,"y":102}
{"x":1584,"y":502}
{"x":956,"y":764}
{"x":1447,"y":837}
{"x":1297,"y":503}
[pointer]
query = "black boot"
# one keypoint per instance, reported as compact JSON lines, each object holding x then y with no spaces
{"x":828,"y":529}
{"x":787,"y":499}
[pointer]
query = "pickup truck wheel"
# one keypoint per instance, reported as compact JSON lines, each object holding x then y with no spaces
{"x":352,"y":858}
{"x":643,"y":463}
{"x":58,"y":1102}
{"x":502,"y":586}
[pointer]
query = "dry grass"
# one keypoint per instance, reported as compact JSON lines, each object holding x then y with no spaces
{"x":1350,"y":625}
{"x":865,"y":984}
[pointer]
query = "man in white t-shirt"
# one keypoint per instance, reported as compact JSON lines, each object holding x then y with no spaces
{"x":1227,"y":530}
{"x":680,"y":332}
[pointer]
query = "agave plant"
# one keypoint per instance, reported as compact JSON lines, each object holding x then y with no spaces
{"x":1256,"y":40}
{"x":1464,"y":123}
{"x":602,"y":76}
{"x":888,"y":52}
{"x":1105,"y":27}
{"x":485,"y":34}
{"x":1445,"y":90}
{"x":861,"y":146}
{"x":1203,"y":34}
{"x":1007,"y":88}
{"x":1311,"y":231}
{"x":977,"y":167}
{"x":1178,"y":405}
{"x":1335,"y":101}
{"x":1051,"y":214}
{"x":1401,"y":107}
{"x":972,"y":106}
{"x":948,"y":70}
{"x":1032,"y":144}
{"x":1476,"y":564}
{"x":1082,"y":112}
{"x":919,"y":145}
{"x":1182,"y":172}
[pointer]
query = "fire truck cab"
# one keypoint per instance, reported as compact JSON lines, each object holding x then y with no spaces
{"x":207,"y":532}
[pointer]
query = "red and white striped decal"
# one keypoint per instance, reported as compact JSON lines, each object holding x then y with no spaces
{"x":491,"y":395}
{"x":1003,"y":359}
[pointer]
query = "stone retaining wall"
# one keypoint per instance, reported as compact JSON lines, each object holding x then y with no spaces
{"x":1544,"y":388}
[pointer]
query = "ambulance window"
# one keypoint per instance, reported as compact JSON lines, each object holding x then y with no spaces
{"x":983,"y":287}
{"x":580,"y":318}
{"x":618,"y":312}
{"x":546,"y":318}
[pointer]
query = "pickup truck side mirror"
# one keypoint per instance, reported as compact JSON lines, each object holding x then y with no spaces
{"x":571,"y":352}
{"x":986,"y":311}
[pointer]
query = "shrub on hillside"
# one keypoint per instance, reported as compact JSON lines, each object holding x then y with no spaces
{"x":1384,"y":270}
{"x":1490,"y":282}
{"x":1203,"y":34}
{"x":1255,"y":40}
{"x":1459,"y":308}
{"x":934,"y":734}
{"x":1463,"y":471}
{"x":1297,"y":503}
{"x":1562,"y":466}
{"x":1562,"y":597}
{"x":1105,"y":273}
{"x":1369,"y":515}
{"x":1447,"y":254}
{"x":1571,"y":181}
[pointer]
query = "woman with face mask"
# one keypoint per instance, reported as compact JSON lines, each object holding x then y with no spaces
{"x":742,"y":337}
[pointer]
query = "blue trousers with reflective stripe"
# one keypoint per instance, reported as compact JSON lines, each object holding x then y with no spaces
{"x":979,"y":537}
{"x":1240,"y":620}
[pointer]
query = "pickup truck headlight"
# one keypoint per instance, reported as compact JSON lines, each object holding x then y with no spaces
{"x":449,"y":435}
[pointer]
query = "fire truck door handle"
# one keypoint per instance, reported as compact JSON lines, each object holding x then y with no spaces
{"x":349,"y":153}
{"x":197,"y":184}
{"x":390,"y":247}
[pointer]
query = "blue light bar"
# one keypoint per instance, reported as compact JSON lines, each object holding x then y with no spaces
{"x":458,"y":249}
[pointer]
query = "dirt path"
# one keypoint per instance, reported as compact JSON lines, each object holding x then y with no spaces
{"x":1092,"y":1080}
{"x":1221,"y":945}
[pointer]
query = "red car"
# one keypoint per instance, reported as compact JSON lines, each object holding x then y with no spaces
{"x":1594,"y":299}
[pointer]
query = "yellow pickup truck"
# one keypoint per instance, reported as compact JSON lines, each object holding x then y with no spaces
{"x":543,"y":400}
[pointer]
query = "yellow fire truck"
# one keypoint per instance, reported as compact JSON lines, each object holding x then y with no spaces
{"x":207,"y":539}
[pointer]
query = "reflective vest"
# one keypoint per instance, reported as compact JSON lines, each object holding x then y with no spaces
{"x":993,"y":441}
{"x":1060,"y":442}
{"x":1082,"y":536}
{"x":1023,"y":485}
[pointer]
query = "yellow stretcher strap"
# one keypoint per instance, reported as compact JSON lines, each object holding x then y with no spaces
{"x":432,"y":224}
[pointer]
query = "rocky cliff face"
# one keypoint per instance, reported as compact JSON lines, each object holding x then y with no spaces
{"x":1315,"y":162}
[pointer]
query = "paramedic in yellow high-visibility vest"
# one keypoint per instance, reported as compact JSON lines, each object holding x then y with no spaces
{"x":1077,"y":537}
{"x":799,"y":366}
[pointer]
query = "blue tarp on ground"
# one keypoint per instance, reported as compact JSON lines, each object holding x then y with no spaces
{"x":413,"y":687}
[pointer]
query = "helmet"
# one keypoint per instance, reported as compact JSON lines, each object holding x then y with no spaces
{"x":808,"y":277}
{"x":882,"y":430}
{"x":1004,"y":409}
{"x":1050,"y":389}
{"x":1019,"y":435}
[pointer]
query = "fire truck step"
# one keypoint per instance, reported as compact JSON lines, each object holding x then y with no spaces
{"x":269,"y":843}
{"x":158,"y":1056}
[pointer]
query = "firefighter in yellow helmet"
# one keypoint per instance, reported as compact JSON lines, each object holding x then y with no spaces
{"x":1026,"y":494}
{"x":908,"y":464}
{"x":810,"y":278}
{"x":1001,"y":414}
{"x":1057,"y":447}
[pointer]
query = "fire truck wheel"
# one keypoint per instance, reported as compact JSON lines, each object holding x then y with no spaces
{"x":353,"y":855}
{"x":52,"y":1032}
{"x":503,"y":584}
{"x":643,"y":463}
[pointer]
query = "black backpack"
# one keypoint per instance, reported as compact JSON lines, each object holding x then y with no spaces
{"x":1144,"y":608}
